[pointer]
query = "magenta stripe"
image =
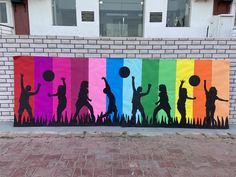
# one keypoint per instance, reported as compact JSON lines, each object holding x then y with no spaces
{"x":62,"y":68}
{"x":79,"y":73}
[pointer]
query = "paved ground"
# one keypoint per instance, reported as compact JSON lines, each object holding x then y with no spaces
{"x":115,"y":151}
{"x":6,"y":127}
{"x":111,"y":154}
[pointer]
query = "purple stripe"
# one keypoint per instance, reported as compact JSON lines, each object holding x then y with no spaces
{"x":43,"y":103}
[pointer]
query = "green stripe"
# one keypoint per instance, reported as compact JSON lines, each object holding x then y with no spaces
{"x":167,"y":76}
{"x":150,"y":76}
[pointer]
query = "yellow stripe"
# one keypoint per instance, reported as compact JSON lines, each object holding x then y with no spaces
{"x":184,"y":70}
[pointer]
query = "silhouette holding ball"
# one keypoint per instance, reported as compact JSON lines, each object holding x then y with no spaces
{"x":112,"y":101}
{"x":136,"y":100}
{"x":24,"y":99}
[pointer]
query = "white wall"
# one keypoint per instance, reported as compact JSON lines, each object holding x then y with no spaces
{"x":40,"y":15}
{"x":200,"y":15}
{"x":88,"y":29}
{"x":41,"y":21}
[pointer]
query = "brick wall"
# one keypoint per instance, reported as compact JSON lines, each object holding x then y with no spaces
{"x":109,"y":47}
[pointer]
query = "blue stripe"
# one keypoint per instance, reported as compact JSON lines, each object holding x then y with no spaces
{"x":115,"y":81}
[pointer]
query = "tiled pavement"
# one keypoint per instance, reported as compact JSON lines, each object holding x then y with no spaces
{"x":113,"y":154}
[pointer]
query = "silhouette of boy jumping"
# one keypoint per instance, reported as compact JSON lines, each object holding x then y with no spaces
{"x":211,"y":97}
{"x":183,"y":96}
{"x":112,"y":100}
{"x":163,"y":103}
{"x":24,"y":99}
{"x":136,"y":100}
{"x":83,"y":100}
{"x":61,"y":94}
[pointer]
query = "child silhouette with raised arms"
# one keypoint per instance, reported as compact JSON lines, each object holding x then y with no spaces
{"x":183,"y":96}
{"x":211,"y":97}
{"x":163,"y":103}
{"x":136,"y":100}
{"x":61,"y":94}
{"x":112,"y":100}
{"x":83,"y":100}
{"x":24,"y":99}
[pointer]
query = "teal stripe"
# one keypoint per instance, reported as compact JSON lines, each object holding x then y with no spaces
{"x":135,"y":66}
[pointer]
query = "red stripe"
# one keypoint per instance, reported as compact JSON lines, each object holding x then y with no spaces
{"x":25,"y":66}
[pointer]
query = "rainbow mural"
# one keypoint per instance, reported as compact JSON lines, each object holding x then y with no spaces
{"x":54,"y":91}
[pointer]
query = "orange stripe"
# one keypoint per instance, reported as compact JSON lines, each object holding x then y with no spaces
{"x":220,"y":80}
{"x":203,"y":68}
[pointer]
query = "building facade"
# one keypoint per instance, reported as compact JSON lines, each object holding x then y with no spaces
{"x":120,"y":18}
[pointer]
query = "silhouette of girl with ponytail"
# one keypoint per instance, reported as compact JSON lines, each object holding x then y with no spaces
{"x":211,"y":97}
{"x":183,"y":96}
{"x":83,"y":100}
{"x":163,"y":103}
{"x":62,"y":101}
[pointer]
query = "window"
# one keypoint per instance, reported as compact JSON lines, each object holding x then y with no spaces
{"x":121,"y":18}
{"x":3,"y":12}
{"x":64,"y":12}
{"x":178,"y":13}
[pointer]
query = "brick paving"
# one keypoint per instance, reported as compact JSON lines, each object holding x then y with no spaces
{"x":111,"y":155}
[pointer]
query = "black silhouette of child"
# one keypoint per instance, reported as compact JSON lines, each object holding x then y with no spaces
{"x":61,"y":94}
{"x":24,"y":99}
{"x":112,"y":100}
{"x":163,"y":103}
{"x":136,"y":100}
{"x":211,"y":97}
{"x":183,"y":96}
{"x":83,"y":100}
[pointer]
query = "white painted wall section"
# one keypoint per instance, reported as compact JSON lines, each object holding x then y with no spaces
{"x":41,"y":19}
{"x":200,"y":15}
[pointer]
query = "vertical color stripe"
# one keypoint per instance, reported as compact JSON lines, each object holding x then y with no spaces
{"x":150,"y":72}
{"x":135,"y":66}
{"x":115,"y":81}
{"x":97,"y":70}
{"x":25,"y":66}
{"x":184,"y":70}
{"x":220,"y":80}
{"x":203,"y":69}
{"x":79,"y":73}
{"x":167,"y":76}
{"x":62,"y":69}
{"x":43,"y":103}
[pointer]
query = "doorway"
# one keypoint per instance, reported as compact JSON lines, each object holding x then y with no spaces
{"x":222,"y":7}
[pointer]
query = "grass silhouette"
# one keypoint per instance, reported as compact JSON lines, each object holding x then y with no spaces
{"x":123,"y":121}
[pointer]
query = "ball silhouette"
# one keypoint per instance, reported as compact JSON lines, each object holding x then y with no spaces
{"x":48,"y":76}
{"x":124,"y":72}
{"x":194,"y":80}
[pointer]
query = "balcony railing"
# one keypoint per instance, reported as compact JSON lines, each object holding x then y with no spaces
{"x":6,"y":29}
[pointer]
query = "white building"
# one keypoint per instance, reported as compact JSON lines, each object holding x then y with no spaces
{"x":119,"y":18}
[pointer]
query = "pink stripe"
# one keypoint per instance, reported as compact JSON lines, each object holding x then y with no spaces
{"x":62,"y":68}
{"x":97,"y":70}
